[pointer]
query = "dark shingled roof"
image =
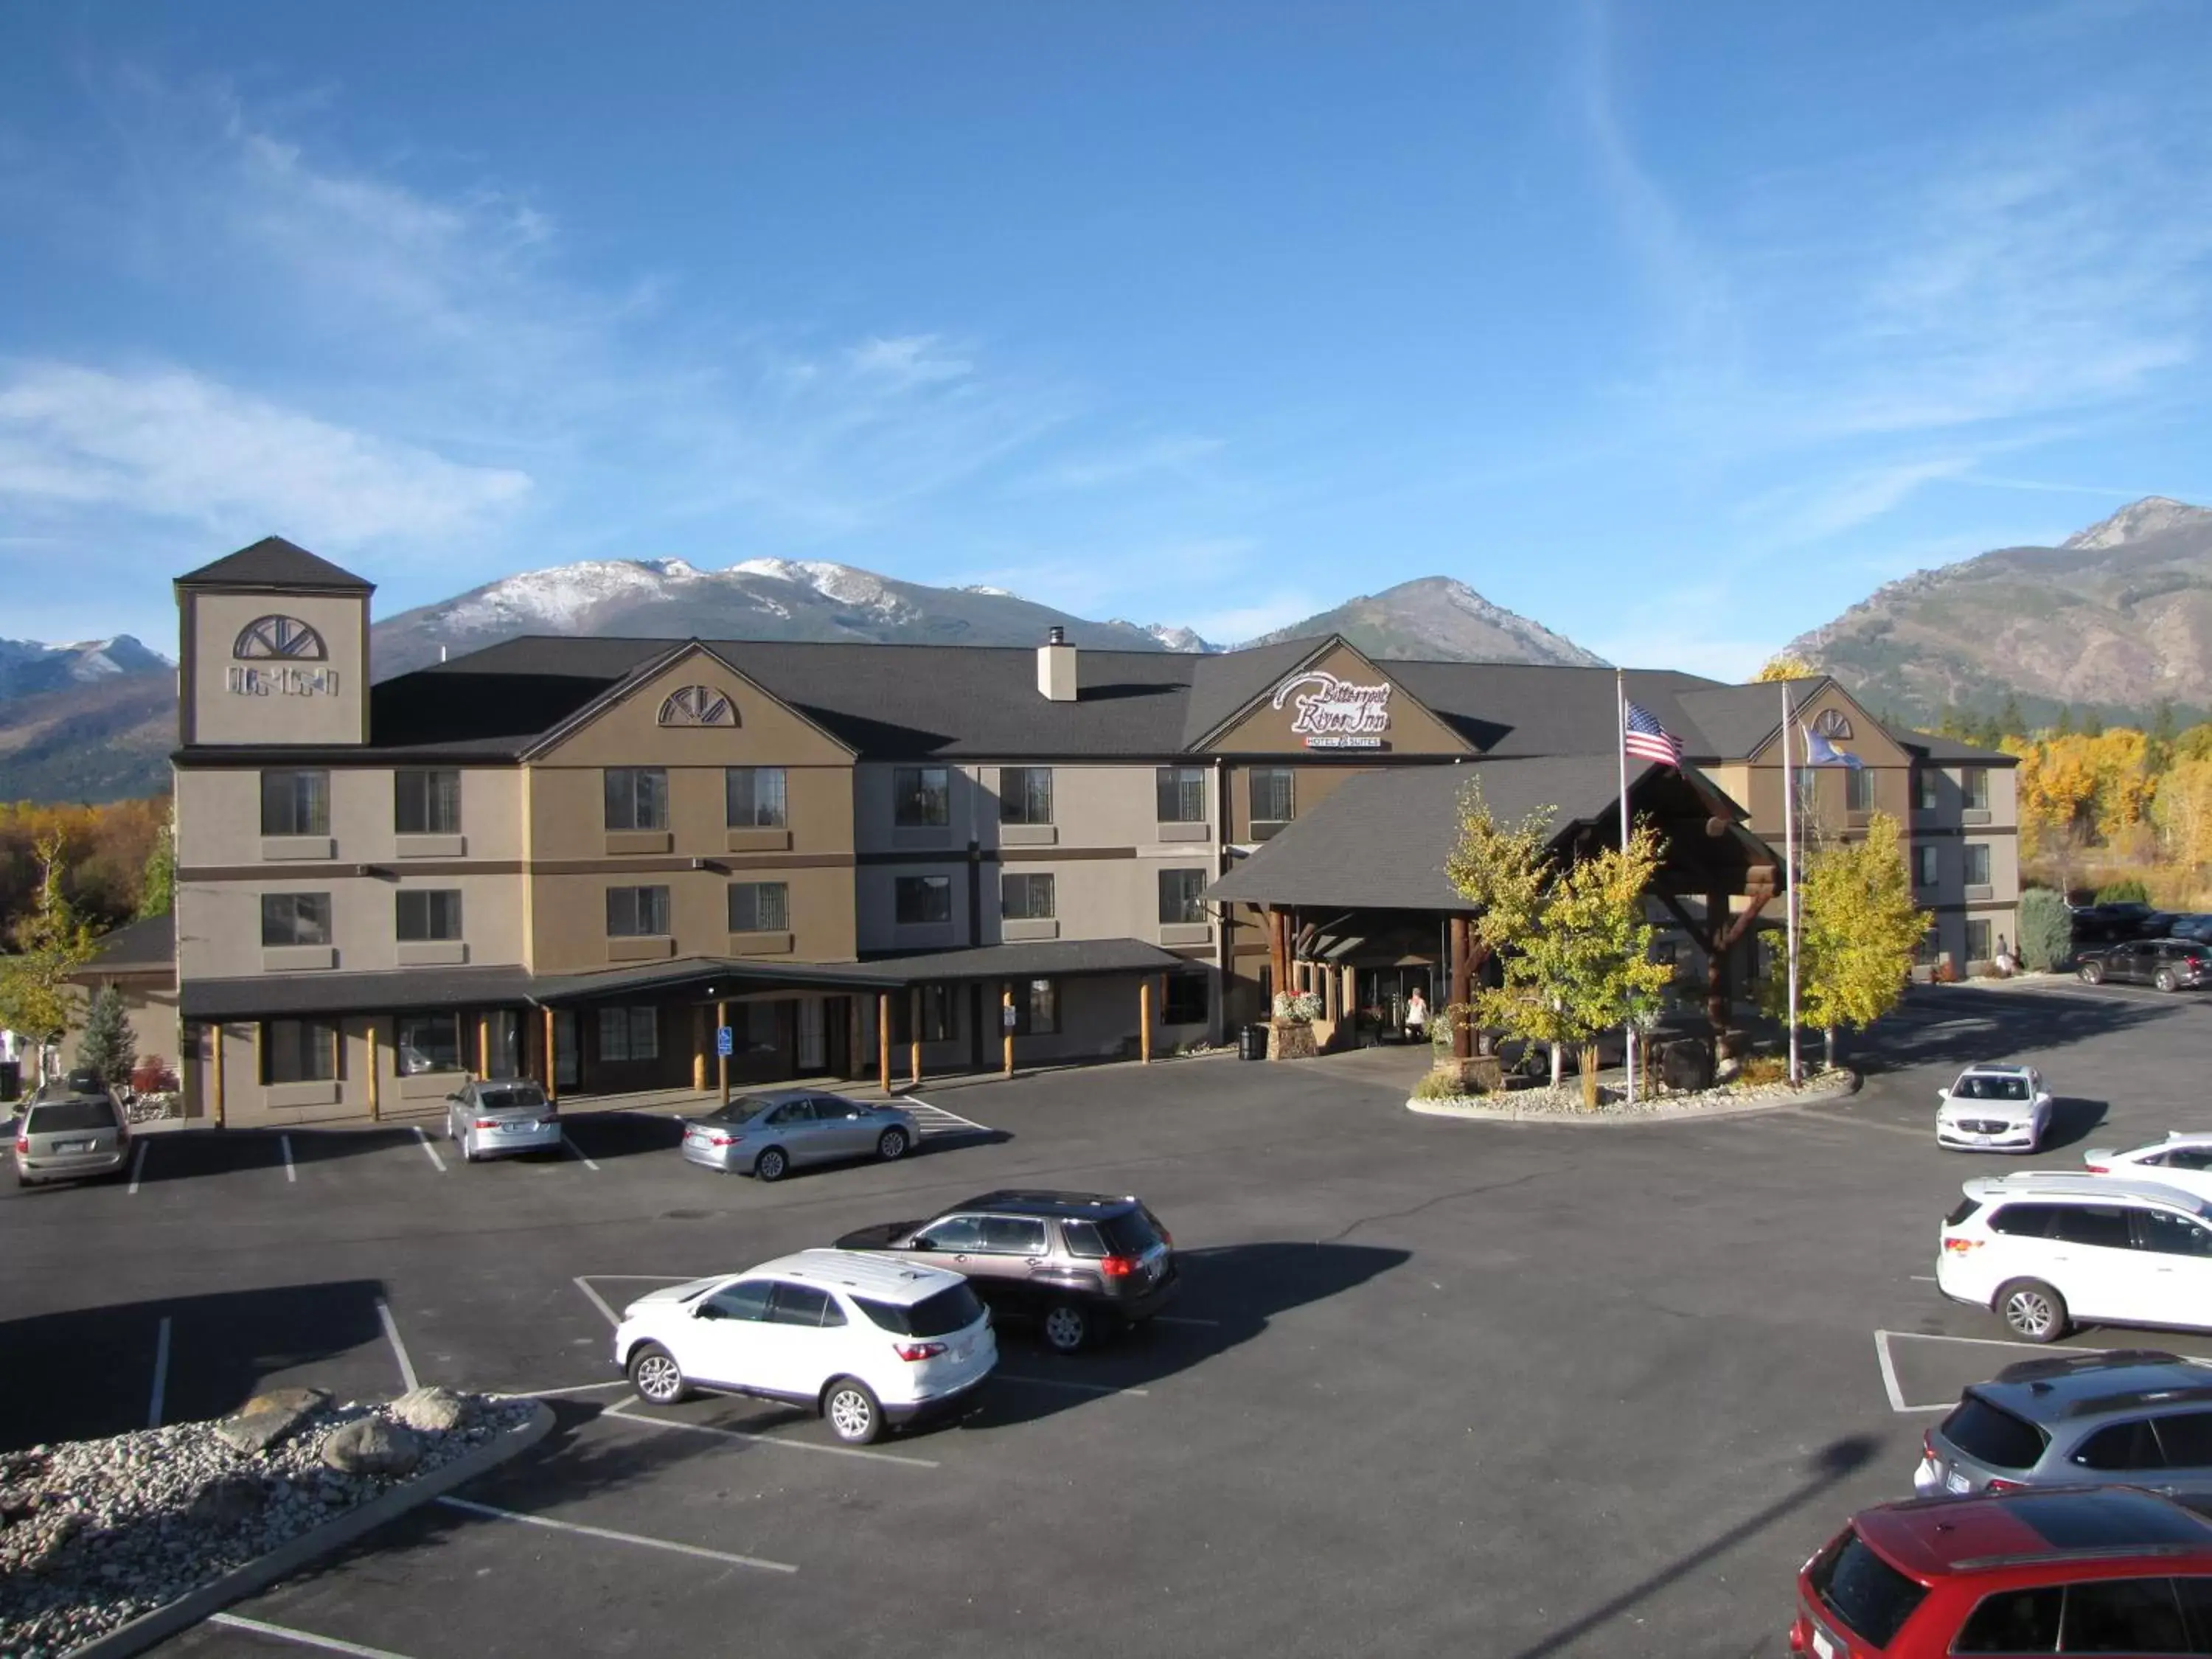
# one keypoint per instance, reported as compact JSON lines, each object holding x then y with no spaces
{"x":1061,"y":959}
{"x":277,"y":996}
{"x":148,"y":945}
{"x":273,"y":562}
{"x":1934,"y":745}
{"x":1379,"y":841}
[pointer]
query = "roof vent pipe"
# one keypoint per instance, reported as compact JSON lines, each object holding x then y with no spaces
{"x":1056,"y":667}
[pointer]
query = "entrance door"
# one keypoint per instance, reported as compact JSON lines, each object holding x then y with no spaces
{"x":813,"y":1037}
{"x":565,"y":1075}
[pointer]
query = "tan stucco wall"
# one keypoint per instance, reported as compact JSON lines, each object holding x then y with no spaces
{"x":567,"y":809}
{"x":217,"y":715}
{"x":628,"y":733}
{"x":219,"y":922}
{"x":219,"y":815}
{"x":1310,"y":784}
{"x":568,"y":920}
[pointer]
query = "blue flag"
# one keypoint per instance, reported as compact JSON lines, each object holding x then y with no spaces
{"x":1819,"y":751}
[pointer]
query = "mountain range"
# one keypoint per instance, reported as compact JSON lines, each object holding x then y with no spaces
{"x":2115,"y":618}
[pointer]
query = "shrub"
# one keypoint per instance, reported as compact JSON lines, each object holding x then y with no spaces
{"x":1438,"y":1085}
{"x":2046,"y":932}
{"x":1762,"y":1068}
{"x":2128,"y":890}
{"x":1303,"y":1007}
{"x":152,"y":1076}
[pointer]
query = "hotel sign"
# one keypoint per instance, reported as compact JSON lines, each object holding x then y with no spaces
{"x":1334,"y":714}
{"x":269,"y":680}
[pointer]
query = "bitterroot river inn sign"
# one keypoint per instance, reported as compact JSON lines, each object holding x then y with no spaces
{"x":1334,"y":714}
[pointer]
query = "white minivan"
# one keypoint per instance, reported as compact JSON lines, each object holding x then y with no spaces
{"x":866,"y":1342}
{"x":2043,"y":1250}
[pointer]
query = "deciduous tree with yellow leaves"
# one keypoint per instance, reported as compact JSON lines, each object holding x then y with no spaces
{"x":1857,"y":926}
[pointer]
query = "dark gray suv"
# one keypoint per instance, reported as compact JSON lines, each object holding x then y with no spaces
{"x":2135,"y":1417}
{"x":2171,"y":964}
{"x":1079,"y":1264}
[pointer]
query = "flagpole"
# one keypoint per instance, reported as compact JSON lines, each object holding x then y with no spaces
{"x":1620,"y":754}
{"x":1789,"y":858}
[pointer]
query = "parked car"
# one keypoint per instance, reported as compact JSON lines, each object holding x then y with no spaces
{"x":498,"y":1117}
{"x":2042,"y":1250}
{"x":770,"y":1134}
{"x":865,"y":1342}
{"x":1079,"y":1264}
{"x":2196,"y":928}
{"x":2171,"y":964}
{"x":1994,"y":1109}
{"x":2182,"y":1160}
{"x":2136,"y":1415}
{"x":67,"y":1133}
{"x":2124,"y":919}
{"x":2064,"y":1569}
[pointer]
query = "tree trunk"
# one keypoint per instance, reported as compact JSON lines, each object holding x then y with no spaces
{"x":1589,"y":1055}
{"x":1558,"y":1064}
{"x":1828,"y":1047}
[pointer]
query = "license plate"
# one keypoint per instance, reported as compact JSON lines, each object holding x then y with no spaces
{"x":61,"y":1146}
{"x":1956,"y":1481}
{"x":1822,"y":1645}
{"x":517,"y":1128}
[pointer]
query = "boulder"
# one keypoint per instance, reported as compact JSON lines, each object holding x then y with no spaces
{"x":227,"y":1502}
{"x":1686,"y":1066}
{"x":370,"y":1445}
{"x":431,"y":1409}
{"x":269,"y":1418}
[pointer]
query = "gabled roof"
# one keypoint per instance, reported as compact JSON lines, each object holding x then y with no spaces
{"x":273,"y":562}
{"x":148,"y":945}
{"x":652,"y":669}
{"x":1934,"y":745}
{"x":1736,"y":722}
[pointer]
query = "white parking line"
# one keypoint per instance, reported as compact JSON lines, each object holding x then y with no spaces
{"x":573,"y":1388}
{"x":1066,"y":1382}
{"x":290,"y":1174}
{"x":161,"y":1374}
{"x":579,"y":1152}
{"x":613,"y":1536}
{"x":304,"y":1638}
{"x":430,"y":1151}
{"x":399,"y":1348}
{"x":596,"y":1300}
{"x":1897,"y":1403}
{"x":138,"y":1164}
{"x":938,"y":1112}
{"x":622,"y":1413}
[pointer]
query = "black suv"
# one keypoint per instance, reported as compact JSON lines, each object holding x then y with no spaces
{"x":1079,"y":1264}
{"x":2171,"y":964}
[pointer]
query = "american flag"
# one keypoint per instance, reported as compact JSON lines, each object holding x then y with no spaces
{"x":1650,"y":740}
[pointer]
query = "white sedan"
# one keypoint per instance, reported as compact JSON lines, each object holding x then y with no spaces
{"x":2182,"y":1159}
{"x":1995,"y":1109}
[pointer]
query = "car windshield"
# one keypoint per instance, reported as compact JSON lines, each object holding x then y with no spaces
{"x":1991,"y":1435}
{"x":66,"y":1117}
{"x":954,"y":1308}
{"x":1870,"y":1598}
{"x":527,"y":1098}
{"x":1991,"y":1088}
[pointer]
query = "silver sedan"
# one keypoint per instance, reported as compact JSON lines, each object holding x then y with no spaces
{"x":767,"y":1134}
{"x":492,"y":1117}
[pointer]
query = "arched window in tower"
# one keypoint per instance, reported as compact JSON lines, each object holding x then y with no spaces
{"x":697,"y":705}
{"x":1833,"y":724}
{"x":279,"y":639}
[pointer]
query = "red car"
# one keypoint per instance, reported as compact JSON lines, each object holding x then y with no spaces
{"x":2111,"y":1569}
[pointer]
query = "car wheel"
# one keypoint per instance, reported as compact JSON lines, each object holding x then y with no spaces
{"x":771,"y":1164}
{"x":2166,"y":980}
{"x":2093,"y":972}
{"x":854,"y":1416}
{"x":891,"y":1145}
{"x":2032,"y":1310}
{"x":1066,"y":1327}
{"x":657,"y":1377}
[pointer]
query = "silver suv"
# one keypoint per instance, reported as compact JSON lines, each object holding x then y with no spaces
{"x":2137,"y":1417}
{"x":70,"y":1134}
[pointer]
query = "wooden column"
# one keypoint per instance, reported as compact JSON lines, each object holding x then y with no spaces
{"x":1717,"y":967}
{"x":552,"y":1088}
{"x":215,"y":1030}
{"x":1462,"y":988}
{"x":1006,"y":1024}
{"x":913,"y":1031}
{"x":884,"y":1041}
{"x":1331,"y":1009}
{"x":721,"y":1059}
{"x":1145,"y":1019}
{"x":484,"y":1045}
{"x":375,"y":1081}
{"x":699,"y":1049}
{"x":1347,"y":1000}
{"x":1278,"y":955}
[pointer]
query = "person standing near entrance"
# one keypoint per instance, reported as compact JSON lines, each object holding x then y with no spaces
{"x":1416,"y":1015}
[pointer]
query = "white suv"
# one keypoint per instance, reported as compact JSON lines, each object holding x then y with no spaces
{"x":863,"y":1341}
{"x":2042,"y":1250}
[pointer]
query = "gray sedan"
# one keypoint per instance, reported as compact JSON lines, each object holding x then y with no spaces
{"x":767,"y":1134}
{"x":492,"y":1117}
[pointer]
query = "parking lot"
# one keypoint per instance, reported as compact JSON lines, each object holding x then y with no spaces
{"x":1507,"y":1389}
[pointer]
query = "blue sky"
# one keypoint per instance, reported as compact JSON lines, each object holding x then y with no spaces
{"x":1676,"y":327}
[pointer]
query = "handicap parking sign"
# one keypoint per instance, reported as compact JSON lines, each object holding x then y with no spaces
{"x":725,"y":1042}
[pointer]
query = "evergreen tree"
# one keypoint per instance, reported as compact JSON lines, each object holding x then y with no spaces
{"x":2063,"y":725}
{"x":108,"y":1046}
{"x":2011,"y":723}
{"x":2046,"y":931}
{"x":2159,"y":751}
{"x":2093,"y":723}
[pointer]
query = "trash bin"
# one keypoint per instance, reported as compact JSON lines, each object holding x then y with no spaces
{"x":1252,"y":1042}
{"x":11,"y":1079}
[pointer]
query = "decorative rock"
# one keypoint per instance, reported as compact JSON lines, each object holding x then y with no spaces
{"x":370,"y":1445}
{"x":432,"y":1409}
{"x":268,"y":1419}
{"x":229,"y":1502}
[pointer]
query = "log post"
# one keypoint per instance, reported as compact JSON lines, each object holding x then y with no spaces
{"x":375,"y":1082}
{"x":1007,"y":1024}
{"x":216,"y":1030}
{"x":1145,"y":1020}
{"x":914,"y":1056}
{"x":483,"y":1046}
{"x":884,"y":1041}
{"x":552,"y":1073}
{"x":1716,"y":968}
{"x":699,"y":1049}
{"x":1462,"y":989}
{"x":721,"y":1059}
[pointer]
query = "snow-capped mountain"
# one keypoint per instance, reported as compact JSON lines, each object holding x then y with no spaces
{"x":27,"y":668}
{"x":1438,"y":617}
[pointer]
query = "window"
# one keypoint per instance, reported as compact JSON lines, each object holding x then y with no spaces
{"x":2130,"y":1445}
{"x":1927,"y":948}
{"x":922,"y":797}
{"x":1871,"y":1597}
{"x":1013,"y":1235}
{"x":637,"y":798}
{"x":1183,"y":795}
{"x":295,"y":919}
{"x":295,"y":803}
{"x":1975,"y":779}
{"x":2187,"y":1438}
{"x":2014,"y":1621}
{"x":429,"y":1042}
{"x":1026,"y":898}
{"x":1977,"y":940}
{"x":753,"y":796}
{"x":430,"y":914}
{"x":1978,"y":864}
{"x":636,"y":912}
{"x":747,"y":1301}
{"x":2104,"y":1226}
{"x":1179,"y":896}
{"x":1858,"y":790}
{"x":1037,"y":1008}
{"x":1989,"y":1435}
{"x":804,"y":1304}
{"x":956,"y":1233}
{"x":1271,"y":795}
{"x":1130,"y":1233}
{"x":949,"y":1310}
{"x":299,"y":1051}
{"x":919,"y":901}
{"x":2024,"y":1220}
{"x":1025,"y":795}
{"x":426,"y":803}
{"x":1929,"y":865}
{"x":1924,"y":789}
{"x":628,"y":1034}
{"x":2123,"y":1615}
{"x":941,"y":1020}
{"x":1186,"y":1001}
{"x":2164,"y":1233}
{"x":760,"y":906}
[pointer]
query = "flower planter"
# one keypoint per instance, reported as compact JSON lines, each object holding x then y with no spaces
{"x":1290,"y":1040}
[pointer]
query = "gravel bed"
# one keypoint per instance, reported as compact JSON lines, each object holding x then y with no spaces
{"x":1567,"y":1100}
{"x":96,"y":1533}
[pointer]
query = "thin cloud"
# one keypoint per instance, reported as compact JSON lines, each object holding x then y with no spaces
{"x":1177,"y":457}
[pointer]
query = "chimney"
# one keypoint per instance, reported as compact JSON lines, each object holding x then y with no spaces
{"x":1056,"y":667}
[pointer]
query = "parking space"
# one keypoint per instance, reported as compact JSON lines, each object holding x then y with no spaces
{"x":1512,"y":1388}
